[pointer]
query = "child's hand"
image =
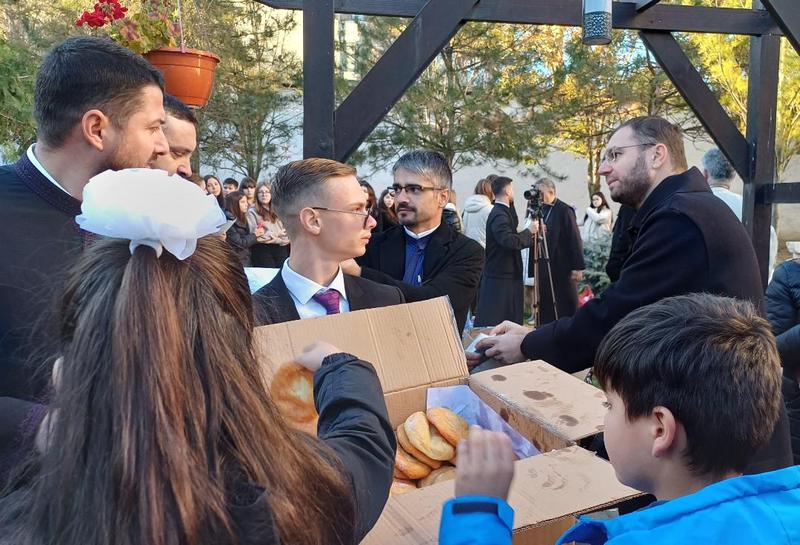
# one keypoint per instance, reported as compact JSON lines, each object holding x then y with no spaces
{"x":485,"y":464}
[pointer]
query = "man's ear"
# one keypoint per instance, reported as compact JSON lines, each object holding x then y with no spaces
{"x":310,"y":221}
{"x":660,"y":155}
{"x":664,"y":431}
{"x":444,"y":197}
{"x":94,"y":128}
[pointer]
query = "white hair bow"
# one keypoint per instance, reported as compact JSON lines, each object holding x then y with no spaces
{"x":151,"y":208}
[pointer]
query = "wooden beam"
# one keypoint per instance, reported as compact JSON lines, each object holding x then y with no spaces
{"x":642,"y":5}
{"x":667,"y":17}
{"x":762,"y":107}
{"x":701,"y":99}
{"x":318,"y":83}
{"x":779,"y":193}
{"x":395,"y":71}
{"x":787,"y":14}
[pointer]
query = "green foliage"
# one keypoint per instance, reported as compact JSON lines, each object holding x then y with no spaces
{"x":253,"y":113}
{"x":17,"y":130}
{"x":464,"y":105}
{"x":595,"y":256}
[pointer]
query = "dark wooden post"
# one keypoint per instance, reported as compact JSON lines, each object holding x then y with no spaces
{"x":318,"y":83}
{"x":762,"y":102}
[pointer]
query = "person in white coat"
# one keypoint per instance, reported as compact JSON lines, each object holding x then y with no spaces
{"x":597,"y":221}
{"x":476,"y":211}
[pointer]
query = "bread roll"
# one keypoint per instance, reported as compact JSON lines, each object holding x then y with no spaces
{"x":451,"y":426}
{"x":292,"y":391}
{"x":426,"y":439}
{"x":402,"y":440}
{"x":397,"y":474}
{"x":409,"y":465}
{"x":444,"y":473}
{"x":401,"y":486}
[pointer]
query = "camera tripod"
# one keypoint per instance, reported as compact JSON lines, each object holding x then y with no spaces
{"x":540,"y":253}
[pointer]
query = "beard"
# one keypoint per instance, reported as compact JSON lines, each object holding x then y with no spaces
{"x":632,"y":188}
{"x":123,"y":158}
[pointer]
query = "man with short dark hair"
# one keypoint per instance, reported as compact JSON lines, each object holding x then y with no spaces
{"x":180,"y":130}
{"x":89,"y":120}
{"x":684,"y":240}
{"x":229,"y":185}
{"x":325,"y":213}
{"x":501,"y":294}
{"x":423,"y":256}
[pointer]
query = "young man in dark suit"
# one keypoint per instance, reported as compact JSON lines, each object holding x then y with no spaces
{"x":325,"y":214}
{"x":109,"y":117}
{"x":423,"y":256}
{"x":502,"y":296}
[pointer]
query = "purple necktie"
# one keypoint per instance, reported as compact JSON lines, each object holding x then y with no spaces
{"x":328,"y":299}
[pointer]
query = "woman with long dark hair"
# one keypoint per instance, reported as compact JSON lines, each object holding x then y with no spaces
{"x":272,"y":247}
{"x":214,"y":188}
{"x":161,"y":430}
{"x":387,"y":217}
{"x":597,"y":221}
{"x":238,"y":235}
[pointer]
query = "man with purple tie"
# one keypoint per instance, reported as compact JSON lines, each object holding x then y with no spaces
{"x":325,"y":214}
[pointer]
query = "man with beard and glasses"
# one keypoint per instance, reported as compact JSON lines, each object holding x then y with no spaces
{"x":423,"y":256}
{"x":89,"y":121}
{"x":683,"y":240}
{"x":180,"y":130}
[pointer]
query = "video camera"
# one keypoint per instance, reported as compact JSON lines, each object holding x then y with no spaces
{"x":534,"y":197}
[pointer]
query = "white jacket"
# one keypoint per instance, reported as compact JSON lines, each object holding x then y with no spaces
{"x":473,"y":219}
{"x":596,"y":225}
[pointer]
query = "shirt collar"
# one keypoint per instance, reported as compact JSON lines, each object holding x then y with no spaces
{"x":35,"y":162}
{"x":304,"y":289}
{"x":420,"y":235}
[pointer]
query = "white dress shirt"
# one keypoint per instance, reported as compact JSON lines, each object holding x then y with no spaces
{"x":40,"y":168}
{"x":302,"y":290}
{"x":420,"y":235}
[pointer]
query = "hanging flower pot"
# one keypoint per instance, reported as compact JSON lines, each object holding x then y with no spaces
{"x":188,"y":73}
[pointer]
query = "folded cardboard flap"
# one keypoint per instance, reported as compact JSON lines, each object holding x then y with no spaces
{"x":551,"y":408}
{"x":412,"y":346}
{"x":546,"y":494}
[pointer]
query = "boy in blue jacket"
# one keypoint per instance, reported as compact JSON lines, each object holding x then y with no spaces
{"x":693,"y":386}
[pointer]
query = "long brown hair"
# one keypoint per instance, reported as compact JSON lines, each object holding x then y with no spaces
{"x":159,"y":401}
{"x":232,"y":201}
{"x":265,"y":212}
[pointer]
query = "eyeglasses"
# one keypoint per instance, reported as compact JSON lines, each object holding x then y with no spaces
{"x":612,"y":154}
{"x":411,"y":189}
{"x":367,"y":213}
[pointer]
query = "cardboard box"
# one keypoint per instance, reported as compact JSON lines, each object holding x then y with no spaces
{"x":546,"y":494}
{"x":415,"y":346}
{"x":412,"y":346}
{"x":549,"y":407}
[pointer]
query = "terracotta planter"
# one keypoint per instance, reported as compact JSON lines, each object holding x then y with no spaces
{"x":189,"y":74}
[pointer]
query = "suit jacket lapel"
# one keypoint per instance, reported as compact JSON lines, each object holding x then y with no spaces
{"x":393,"y":253}
{"x":275,"y":303}
{"x":436,"y":251}
{"x":355,"y":295}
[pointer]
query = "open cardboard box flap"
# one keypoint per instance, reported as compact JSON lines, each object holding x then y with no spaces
{"x":551,"y":408}
{"x":547,"y":491}
{"x":412,"y":346}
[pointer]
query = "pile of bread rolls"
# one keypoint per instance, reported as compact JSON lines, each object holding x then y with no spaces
{"x":426,"y":449}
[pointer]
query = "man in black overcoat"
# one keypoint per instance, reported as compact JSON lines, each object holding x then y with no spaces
{"x":684,"y":240}
{"x":565,"y":249}
{"x":501,"y":295}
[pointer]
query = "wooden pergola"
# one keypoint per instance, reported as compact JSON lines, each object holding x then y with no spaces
{"x":336,"y":132}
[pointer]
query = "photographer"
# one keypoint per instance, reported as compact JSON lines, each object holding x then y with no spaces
{"x":501,"y":294}
{"x":564,"y":248}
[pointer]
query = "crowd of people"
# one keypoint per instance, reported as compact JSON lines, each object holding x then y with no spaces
{"x":132,"y":408}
